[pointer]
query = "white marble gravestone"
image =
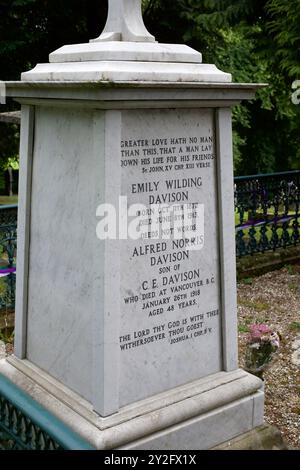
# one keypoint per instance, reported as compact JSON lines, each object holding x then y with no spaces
{"x":132,"y":342}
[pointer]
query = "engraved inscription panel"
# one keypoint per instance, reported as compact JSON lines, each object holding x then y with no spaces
{"x":170,"y":331}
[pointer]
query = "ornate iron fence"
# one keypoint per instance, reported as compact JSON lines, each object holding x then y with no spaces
{"x":26,"y":425}
{"x":8,"y":252}
{"x":267,"y":212}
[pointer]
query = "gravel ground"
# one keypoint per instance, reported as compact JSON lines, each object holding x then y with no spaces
{"x":274,"y":299}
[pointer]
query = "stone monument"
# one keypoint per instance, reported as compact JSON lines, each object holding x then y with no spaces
{"x":130,"y":340}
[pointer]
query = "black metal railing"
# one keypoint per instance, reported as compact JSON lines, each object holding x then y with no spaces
{"x":8,"y":253}
{"x":267,"y":212}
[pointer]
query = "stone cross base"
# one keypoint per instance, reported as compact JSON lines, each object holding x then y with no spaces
{"x":125,"y":23}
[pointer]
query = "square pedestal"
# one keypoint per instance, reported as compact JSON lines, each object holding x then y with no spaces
{"x":198,"y":416}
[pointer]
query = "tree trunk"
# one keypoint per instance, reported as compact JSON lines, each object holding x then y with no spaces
{"x":11,"y":179}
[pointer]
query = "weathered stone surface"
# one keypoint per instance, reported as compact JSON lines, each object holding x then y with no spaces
{"x":13,"y":117}
{"x":261,"y":438}
{"x":261,"y":263}
{"x":126,"y":51}
{"x":131,"y":71}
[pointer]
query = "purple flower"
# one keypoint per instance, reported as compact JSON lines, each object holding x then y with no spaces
{"x":262,"y":345}
{"x":258,"y":330}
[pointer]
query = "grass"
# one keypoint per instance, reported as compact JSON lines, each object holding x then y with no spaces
{"x":295,"y":326}
{"x":290,"y":269}
{"x":257,"y":306}
{"x":243,"y":329}
{"x":3,"y":287}
{"x":293,"y":287}
{"x":8,"y":200}
{"x":248,"y":281}
{"x":7,"y":335}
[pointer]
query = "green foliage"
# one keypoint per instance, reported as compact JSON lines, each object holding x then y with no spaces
{"x":285,"y":26}
{"x":248,"y":281}
{"x":31,"y":29}
{"x":9,"y":144}
{"x":13,"y":163}
{"x":7,"y":335}
{"x":243,"y":329}
{"x":290,"y":269}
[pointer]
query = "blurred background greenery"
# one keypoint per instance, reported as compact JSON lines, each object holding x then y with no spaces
{"x":255,"y":40}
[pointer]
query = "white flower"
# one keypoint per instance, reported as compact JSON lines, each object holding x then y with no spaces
{"x":255,"y":346}
{"x":275,"y":341}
